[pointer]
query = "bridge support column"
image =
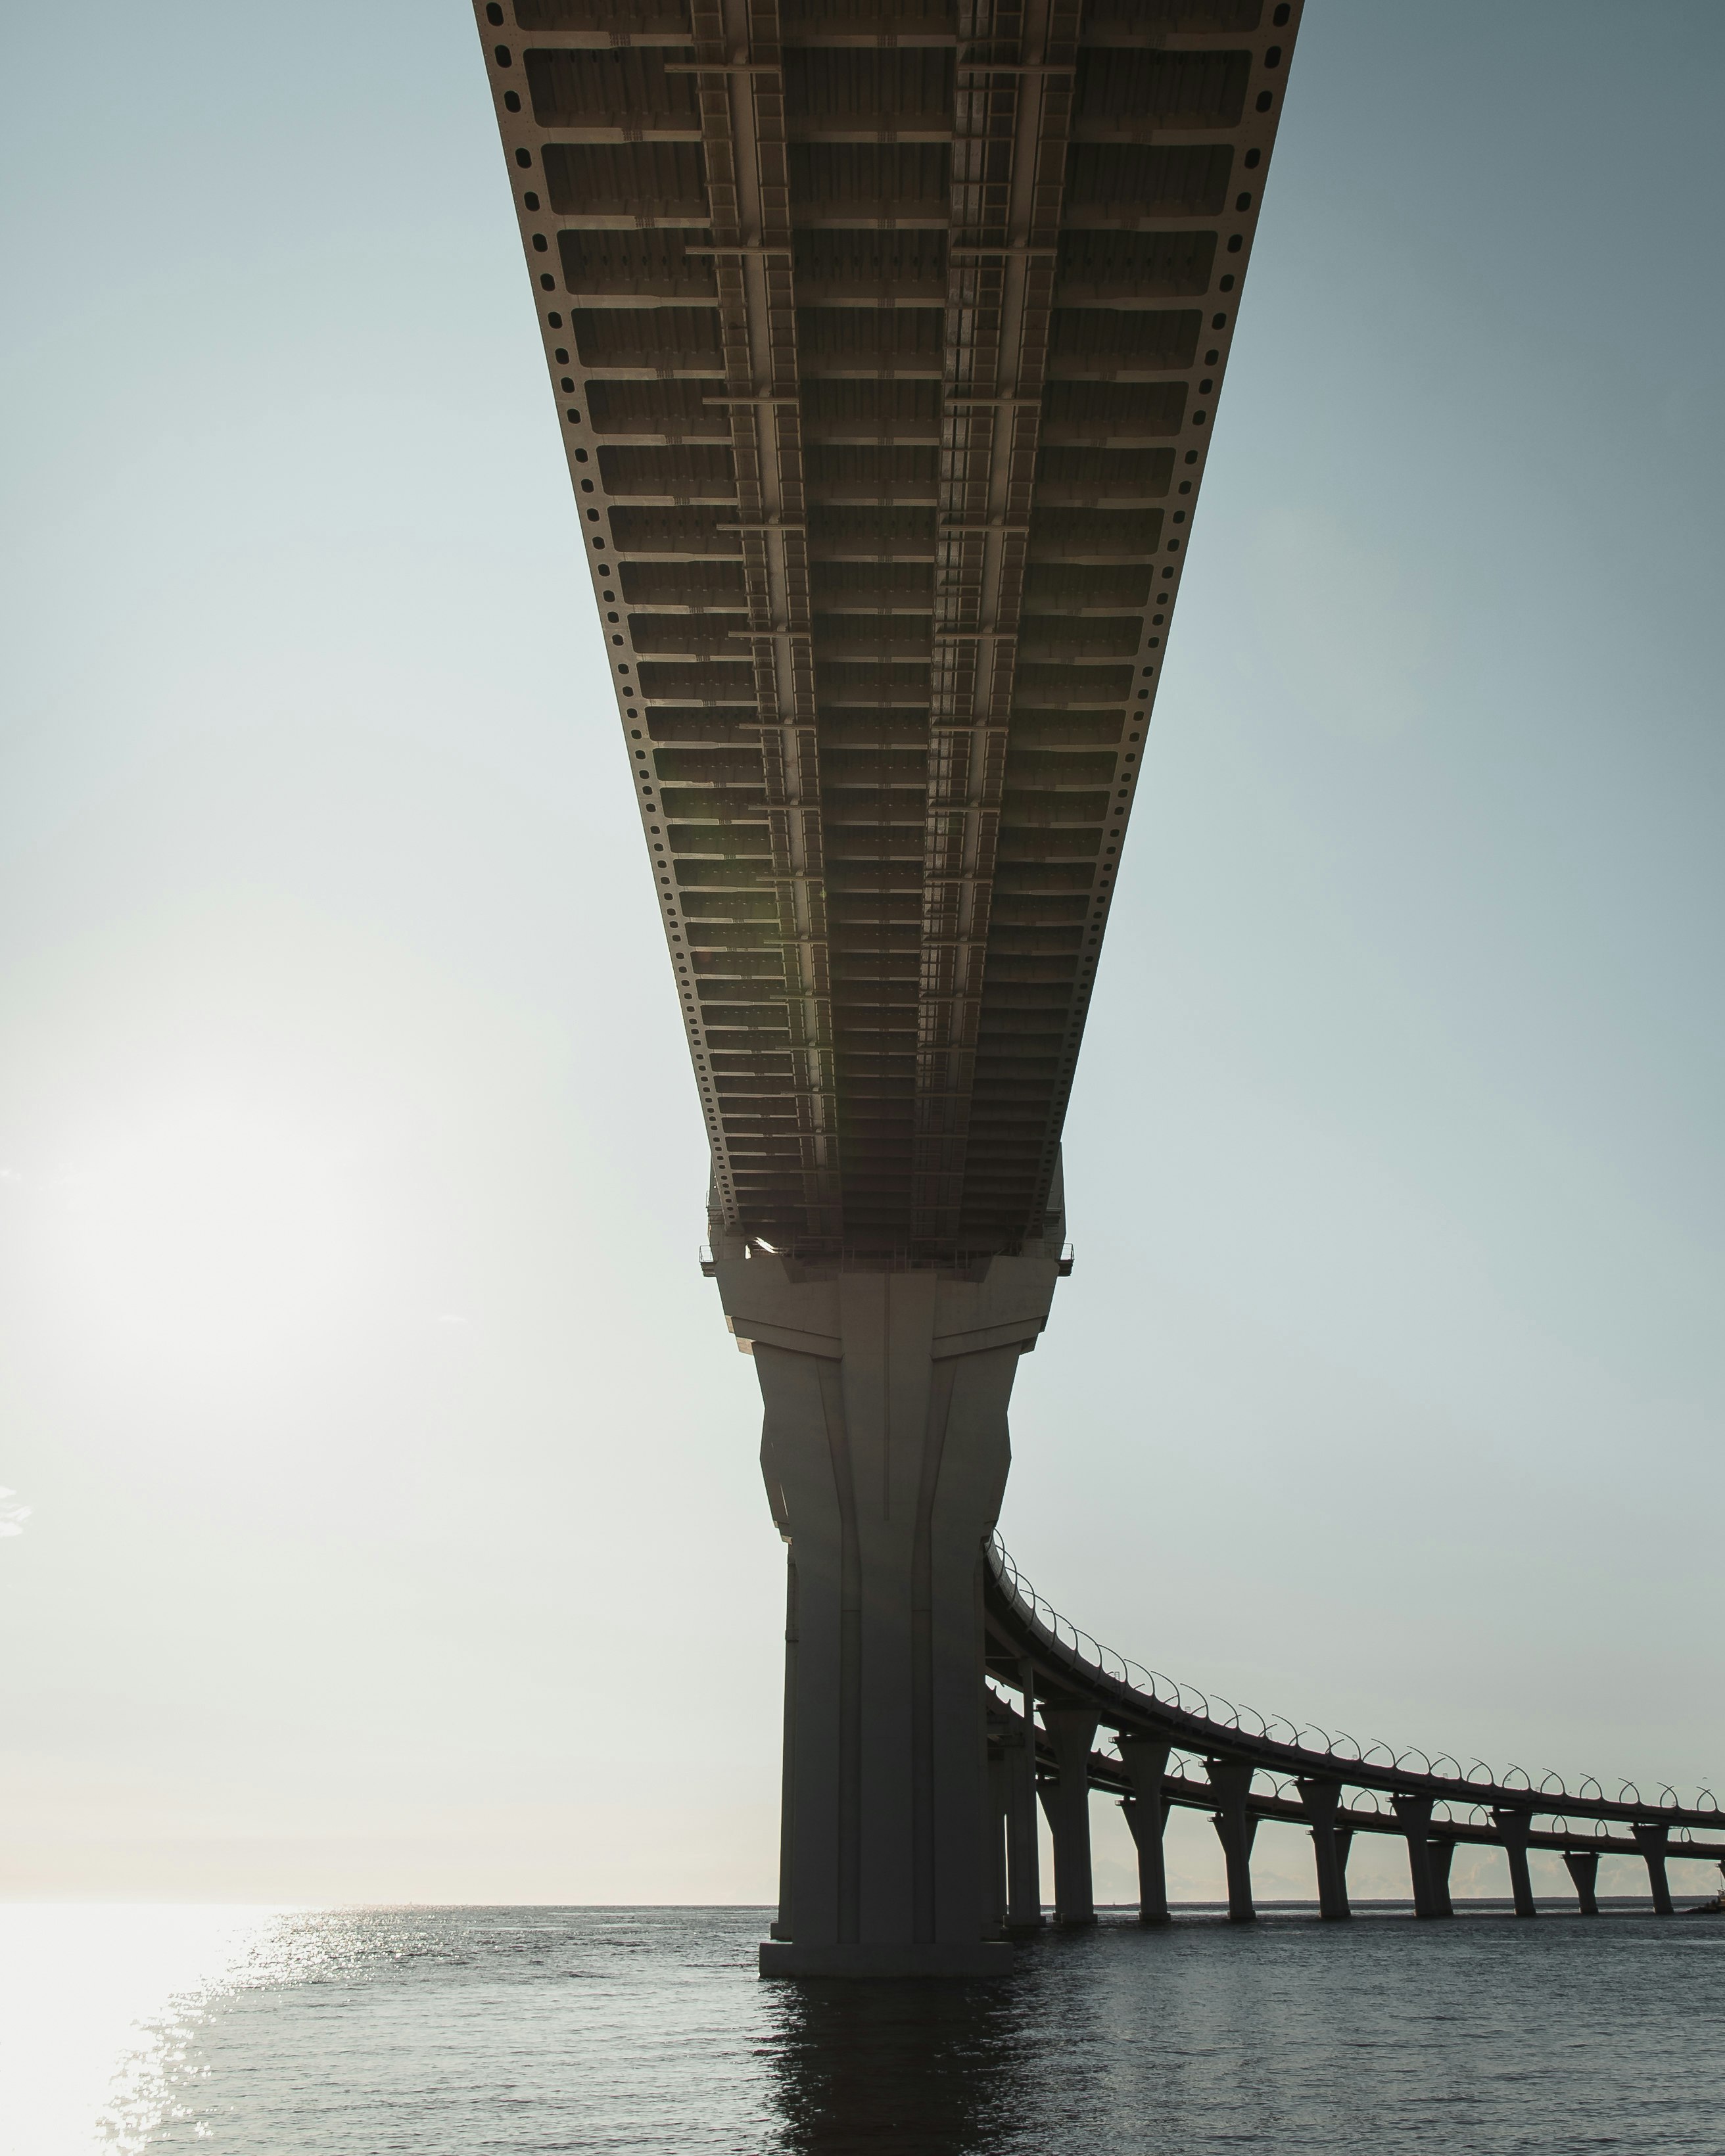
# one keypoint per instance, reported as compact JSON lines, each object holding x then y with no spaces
{"x":994,"y":1863}
{"x":1023,"y":1853}
{"x":885,"y":1452}
{"x":1322,"y":1800}
{"x":1442,"y":1854}
{"x":1072,"y":1730}
{"x":1515,"y":1827}
{"x":1583,"y":1866}
{"x":1146,"y":1815}
{"x":1415,"y":1813}
{"x":1652,"y":1838}
{"x":1236,"y":1830}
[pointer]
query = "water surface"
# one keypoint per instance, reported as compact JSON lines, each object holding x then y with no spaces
{"x":497,"y":2032}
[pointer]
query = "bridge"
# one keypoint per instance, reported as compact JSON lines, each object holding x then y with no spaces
{"x":1170,"y":1745}
{"x":886,"y":338}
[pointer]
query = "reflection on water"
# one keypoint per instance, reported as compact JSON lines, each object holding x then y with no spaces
{"x":93,"y":2032}
{"x":882,"y":2066}
{"x":520,"y":2032}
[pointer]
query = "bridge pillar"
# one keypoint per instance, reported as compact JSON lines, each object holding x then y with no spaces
{"x":786,"y":1789}
{"x":1072,"y":1730}
{"x":1652,"y":1838}
{"x":1442,"y":1853}
{"x":1583,"y":1866}
{"x":1415,"y":1813}
{"x":999,"y":1821}
{"x":885,"y":1452}
{"x":1236,"y":1830}
{"x":1322,"y":1800}
{"x":1515,"y":1826}
{"x":1024,"y":1852}
{"x":1146,"y":1815}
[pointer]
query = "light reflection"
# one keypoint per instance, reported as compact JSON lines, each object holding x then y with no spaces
{"x":96,"y":2006}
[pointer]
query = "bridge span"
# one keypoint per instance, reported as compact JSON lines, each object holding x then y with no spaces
{"x":887,"y":339}
{"x":1172,"y":1746}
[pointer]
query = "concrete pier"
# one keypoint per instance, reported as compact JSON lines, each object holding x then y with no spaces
{"x":1653,"y":1839}
{"x":1583,"y":1866}
{"x":1321,"y":1801}
{"x":885,"y":1451}
{"x":1146,"y":1815}
{"x":1236,"y":1830}
{"x":1441,"y":1855}
{"x":1415,"y":1813}
{"x":994,"y":1875}
{"x":1072,"y":1730}
{"x":1515,"y":1827}
{"x":1024,"y":1841}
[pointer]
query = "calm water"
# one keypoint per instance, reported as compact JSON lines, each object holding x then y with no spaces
{"x":454,"y":2032}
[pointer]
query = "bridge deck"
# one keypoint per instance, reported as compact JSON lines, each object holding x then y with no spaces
{"x":887,"y":336}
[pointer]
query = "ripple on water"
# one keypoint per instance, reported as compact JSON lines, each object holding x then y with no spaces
{"x":506,"y":2031}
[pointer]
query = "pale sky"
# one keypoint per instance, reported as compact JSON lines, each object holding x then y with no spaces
{"x":394,"y":1528}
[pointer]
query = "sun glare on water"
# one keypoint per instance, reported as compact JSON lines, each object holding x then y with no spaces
{"x":96,"y":2005}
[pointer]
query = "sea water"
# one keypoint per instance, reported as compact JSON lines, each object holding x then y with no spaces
{"x":496,"y":2032}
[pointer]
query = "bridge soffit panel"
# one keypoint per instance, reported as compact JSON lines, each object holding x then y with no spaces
{"x":887,"y":337}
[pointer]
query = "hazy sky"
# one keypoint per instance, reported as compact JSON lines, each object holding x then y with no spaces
{"x":396,"y":1530}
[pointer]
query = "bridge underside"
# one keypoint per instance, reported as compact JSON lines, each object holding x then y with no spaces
{"x":887,"y":336}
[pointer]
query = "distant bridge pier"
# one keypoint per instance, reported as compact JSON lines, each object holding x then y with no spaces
{"x":1653,"y":1839}
{"x":885,"y":1452}
{"x":1237,"y":1828}
{"x":1024,"y":1851}
{"x":1000,"y":1819}
{"x":1321,"y":1801}
{"x":1146,"y":1811}
{"x":1515,"y":1827}
{"x":1583,"y":1866}
{"x":1415,"y":1813}
{"x":1442,"y":1852}
{"x":1065,"y":1798}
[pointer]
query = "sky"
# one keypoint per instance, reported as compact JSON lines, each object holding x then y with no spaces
{"x":394,"y":1530}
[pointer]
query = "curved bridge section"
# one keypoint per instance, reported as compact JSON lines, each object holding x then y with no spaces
{"x":1163,"y":1744}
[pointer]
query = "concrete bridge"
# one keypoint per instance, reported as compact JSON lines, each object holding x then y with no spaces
{"x":1172,"y":1746}
{"x":886,"y":338}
